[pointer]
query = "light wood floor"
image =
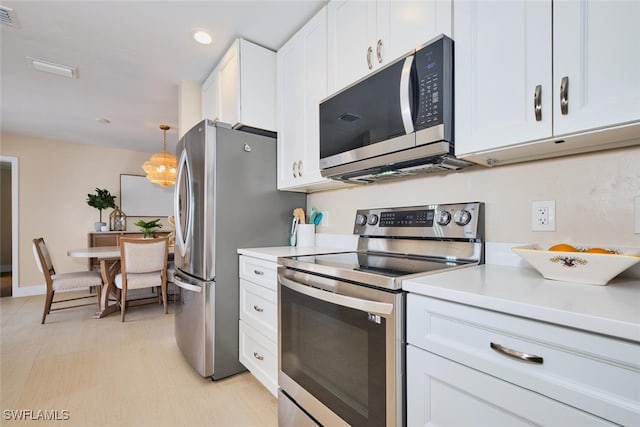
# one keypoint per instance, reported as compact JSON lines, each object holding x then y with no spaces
{"x":106,"y":373}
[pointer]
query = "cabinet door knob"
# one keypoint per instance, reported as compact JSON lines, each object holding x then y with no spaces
{"x":258,"y":309}
{"x":516,"y":354}
{"x":258,"y":272}
{"x":369,"y":52}
{"x":564,"y":95}
{"x":294,"y":170}
{"x":537,"y":103}
{"x":258,"y":356}
{"x":300,"y":168}
{"x":379,"y":51}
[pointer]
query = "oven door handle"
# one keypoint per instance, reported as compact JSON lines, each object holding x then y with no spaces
{"x":373,"y":307}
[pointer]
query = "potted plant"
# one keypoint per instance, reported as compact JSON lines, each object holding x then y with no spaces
{"x":101,"y":199}
{"x":148,"y":228}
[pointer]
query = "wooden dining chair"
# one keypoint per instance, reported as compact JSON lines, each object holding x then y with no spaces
{"x":63,"y":281}
{"x":143,"y":264}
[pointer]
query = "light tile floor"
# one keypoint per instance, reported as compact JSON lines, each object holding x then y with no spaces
{"x":107,"y":373}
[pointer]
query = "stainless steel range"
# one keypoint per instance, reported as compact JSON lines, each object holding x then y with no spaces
{"x":341,"y":316}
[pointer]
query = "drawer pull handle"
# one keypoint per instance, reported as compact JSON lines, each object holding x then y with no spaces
{"x":516,"y":354}
{"x":258,"y":272}
{"x":258,"y":309}
{"x":258,"y":356}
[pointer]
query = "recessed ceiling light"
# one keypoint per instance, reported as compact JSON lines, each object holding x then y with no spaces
{"x":53,"y":68}
{"x":202,"y":37}
{"x":103,"y":121}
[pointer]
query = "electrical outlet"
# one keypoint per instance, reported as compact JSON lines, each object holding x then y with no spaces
{"x":636,"y":215}
{"x":543,"y":215}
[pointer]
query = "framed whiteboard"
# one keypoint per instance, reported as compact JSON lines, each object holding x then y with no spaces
{"x":139,"y":197}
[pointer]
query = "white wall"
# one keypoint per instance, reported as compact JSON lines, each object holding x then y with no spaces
{"x":593,"y":192}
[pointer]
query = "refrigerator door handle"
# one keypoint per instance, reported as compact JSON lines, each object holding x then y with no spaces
{"x":183,"y":184}
{"x":186,"y":286}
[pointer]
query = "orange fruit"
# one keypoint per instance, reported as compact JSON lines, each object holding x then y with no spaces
{"x":563,"y":247}
{"x":598,"y":251}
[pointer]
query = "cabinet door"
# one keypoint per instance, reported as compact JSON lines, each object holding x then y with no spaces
{"x":291,"y":87}
{"x":210,"y":97}
{"x":407,"y":24}
{"x":302,"y":84}
{"x":314,"y":38}
{"x":257,"y":86}
{"x":352,"y":37}
{"x":595,"y":48}
{"x":444,"y":393}
{"x":498,"y":66}
{"x":229,"y":84}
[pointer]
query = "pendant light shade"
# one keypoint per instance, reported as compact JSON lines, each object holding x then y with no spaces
{"x":161,"y":167}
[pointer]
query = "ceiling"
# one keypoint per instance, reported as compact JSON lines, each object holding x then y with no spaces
{"x":130,"y":56}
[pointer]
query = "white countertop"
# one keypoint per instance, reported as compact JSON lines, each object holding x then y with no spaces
{"x":273,"y":253}
{"x":613,"y":309}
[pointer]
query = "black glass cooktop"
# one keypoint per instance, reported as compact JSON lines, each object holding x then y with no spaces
{"x":374,"y":269}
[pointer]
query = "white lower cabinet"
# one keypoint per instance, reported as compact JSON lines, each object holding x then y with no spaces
{"x":259,"y":320}
{"x":260,"y":356}
{"x":443,"y":393}
{"x":466,"y":366}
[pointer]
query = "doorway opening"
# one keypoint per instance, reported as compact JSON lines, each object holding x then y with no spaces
{"x":8,"y":225}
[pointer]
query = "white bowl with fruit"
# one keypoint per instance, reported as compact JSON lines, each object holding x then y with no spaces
{"x":581,"y":264}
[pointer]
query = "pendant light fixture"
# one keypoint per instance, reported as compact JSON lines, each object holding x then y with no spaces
{"x":161,"y":167}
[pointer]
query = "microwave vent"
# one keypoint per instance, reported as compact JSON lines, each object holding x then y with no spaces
{"x":439,"y":164}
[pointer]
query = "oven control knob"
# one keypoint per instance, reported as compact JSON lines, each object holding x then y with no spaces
{"x":462,"y":217}
{"x":373,"y":219}
{"x":361,"y":219}
{"x":444,"y":218}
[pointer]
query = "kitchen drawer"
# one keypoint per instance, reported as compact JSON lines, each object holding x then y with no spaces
{"x":260,"y":356}
{"x":595,"y":373}
{"x":259,"y":308}
{"x":259,"y":271}
{"x":443,"y":393}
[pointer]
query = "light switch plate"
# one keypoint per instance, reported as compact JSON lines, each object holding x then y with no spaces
{"x":636,"y":215}
{"x":543,"y":215}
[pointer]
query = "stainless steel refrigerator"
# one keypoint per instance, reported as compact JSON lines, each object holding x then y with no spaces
{"x":225,"y":199}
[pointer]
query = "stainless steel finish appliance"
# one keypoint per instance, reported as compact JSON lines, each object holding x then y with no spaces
{"x":341,"y":316}
{"x":225,"y":198}
{"x":395,"y":122}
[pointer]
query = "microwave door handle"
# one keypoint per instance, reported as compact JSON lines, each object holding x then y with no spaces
{"x":373,"y":307}
{"x":405,"y":96}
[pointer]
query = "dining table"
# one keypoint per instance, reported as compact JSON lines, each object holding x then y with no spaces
{"x":109,"y":257}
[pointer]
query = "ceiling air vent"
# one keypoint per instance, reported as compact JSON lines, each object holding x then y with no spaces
{"x":8,"y":16}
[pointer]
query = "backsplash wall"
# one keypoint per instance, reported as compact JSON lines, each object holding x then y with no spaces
{"x":594,"y":195}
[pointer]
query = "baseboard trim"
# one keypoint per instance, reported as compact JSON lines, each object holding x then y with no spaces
{"x":28,"y":291}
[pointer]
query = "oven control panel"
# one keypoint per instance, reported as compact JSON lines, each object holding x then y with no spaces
{"x":441,"y":221}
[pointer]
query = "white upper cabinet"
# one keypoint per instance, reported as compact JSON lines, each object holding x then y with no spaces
{"x":302,"y":84}
{"x":548,"y":79}
{"x":211,"y":97}
{"x":241,"y":90}
{"x":497,"y":69}
{"x":412,"y":23}
{"x":366,"y":35}
{"x":595,"y":46}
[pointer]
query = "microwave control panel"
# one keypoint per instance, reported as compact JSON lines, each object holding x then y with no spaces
{"x":434,"y":71}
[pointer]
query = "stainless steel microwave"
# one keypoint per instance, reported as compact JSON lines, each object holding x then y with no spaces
{"x":395,"y":122}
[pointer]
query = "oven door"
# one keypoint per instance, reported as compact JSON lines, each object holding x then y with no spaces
{"x":341,"y":350}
